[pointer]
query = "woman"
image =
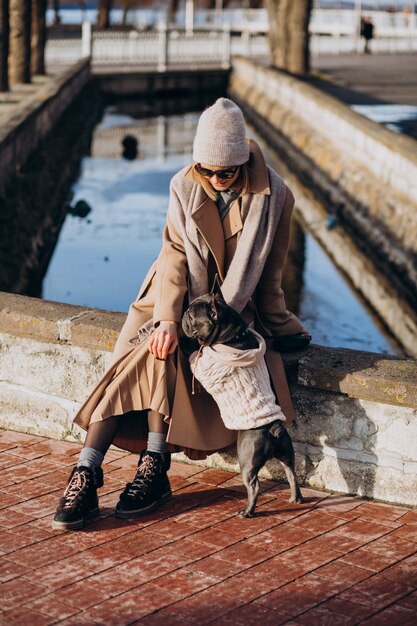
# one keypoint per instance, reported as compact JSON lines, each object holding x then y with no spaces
{"x":229,"y":214}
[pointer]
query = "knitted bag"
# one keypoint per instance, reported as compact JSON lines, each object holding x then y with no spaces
{"x":238,"y":380}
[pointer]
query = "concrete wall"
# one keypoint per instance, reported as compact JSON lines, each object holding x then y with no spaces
{"x":34,"y":117}
{"x":391,"y":161}
{"x":357,"y":423}
{"x":172,"y":82}
{"x":353,"y":169}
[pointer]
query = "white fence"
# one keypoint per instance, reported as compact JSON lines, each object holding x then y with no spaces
{"x":332,"y":32}
{"x":161,"y":48}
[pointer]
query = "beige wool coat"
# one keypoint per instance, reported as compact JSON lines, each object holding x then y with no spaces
{"x":136,"y":381}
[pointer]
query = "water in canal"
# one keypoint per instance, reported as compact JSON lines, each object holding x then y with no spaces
{"x":114,"y":226}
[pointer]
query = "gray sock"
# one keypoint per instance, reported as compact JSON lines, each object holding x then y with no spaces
{"x":90,"y":457}
{"x":157,"y":442}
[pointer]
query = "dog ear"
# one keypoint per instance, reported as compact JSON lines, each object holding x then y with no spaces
{"x":216,"y":290}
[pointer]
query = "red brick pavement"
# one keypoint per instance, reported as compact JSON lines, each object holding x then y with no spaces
{"x":333,"y":560}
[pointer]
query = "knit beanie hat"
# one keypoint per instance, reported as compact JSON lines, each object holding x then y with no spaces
{"x":220,"y":137}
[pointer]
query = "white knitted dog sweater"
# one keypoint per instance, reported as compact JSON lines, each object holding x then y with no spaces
{"x":239,"y":382}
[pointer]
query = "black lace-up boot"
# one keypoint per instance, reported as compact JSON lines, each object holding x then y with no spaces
{"x":79,"y":502}
{"x":149,"y":489}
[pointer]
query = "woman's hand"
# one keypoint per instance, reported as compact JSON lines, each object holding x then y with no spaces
{"x":164,"y":340}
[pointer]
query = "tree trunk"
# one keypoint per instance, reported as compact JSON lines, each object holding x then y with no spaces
{"x":4,"y":45}
{"x":38,"y":40}
{"x":19,"y":50}
{"x":299,"y":46}
{"x":103,"y":15}
{"x":125,"y":9}
{"x":278,"y":12}
{"x":172,"y":11}
{"x":288,"y":34}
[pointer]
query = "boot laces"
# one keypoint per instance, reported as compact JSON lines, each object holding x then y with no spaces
{"x":77,"y":485}
{"x":144,"y":475}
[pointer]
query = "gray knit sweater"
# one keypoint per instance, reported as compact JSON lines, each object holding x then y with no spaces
{"x":238,"y":380}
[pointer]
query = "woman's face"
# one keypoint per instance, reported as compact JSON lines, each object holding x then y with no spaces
{"x":221,"y":184}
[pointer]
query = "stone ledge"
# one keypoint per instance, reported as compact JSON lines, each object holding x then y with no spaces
{"x":360,"y":375}
{"x":30,"y":120}
{"x":39,"y":93}
{"x":362,"y":135}
{"x":52,"y":354}
{"x":55,"y":322}
{"x":368,"y":193}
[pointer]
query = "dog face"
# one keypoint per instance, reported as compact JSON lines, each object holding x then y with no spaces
{"x":203,"y":319}
{"x":210,"y":320}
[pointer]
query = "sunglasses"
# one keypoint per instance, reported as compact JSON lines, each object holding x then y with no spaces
{"x":222,"y":174}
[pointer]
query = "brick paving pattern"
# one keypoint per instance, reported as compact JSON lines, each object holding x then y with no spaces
{"x":333,"y":560}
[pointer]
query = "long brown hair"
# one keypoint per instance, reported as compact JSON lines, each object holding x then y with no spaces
{"x":242,"y":181}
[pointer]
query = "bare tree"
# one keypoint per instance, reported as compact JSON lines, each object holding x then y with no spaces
{"x":38,"y":40}
{"x":19,"y":50}
{"x":131,"y":5}
{"x":288,"y":34}
{"x":172,"y":9}
{"x":103,"y":15}
{"x":212,"y":4}
{"x":4,"y":45}
{"x":125,"y":9}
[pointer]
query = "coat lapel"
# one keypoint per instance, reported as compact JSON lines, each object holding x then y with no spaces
{"x":206,"y":217}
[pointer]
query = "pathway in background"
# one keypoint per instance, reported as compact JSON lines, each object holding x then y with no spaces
{"x":334,"y":560}
{"x":369,"y":79}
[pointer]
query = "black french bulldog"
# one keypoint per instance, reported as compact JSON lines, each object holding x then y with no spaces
{"x":209,"y":320}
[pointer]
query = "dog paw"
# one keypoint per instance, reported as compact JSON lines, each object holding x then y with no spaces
{"x":244,"y":513}
{"x":296,"y":500}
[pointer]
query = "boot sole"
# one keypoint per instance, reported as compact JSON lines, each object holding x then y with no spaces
{"x":76,"y":524}
{"x":143,"y":511}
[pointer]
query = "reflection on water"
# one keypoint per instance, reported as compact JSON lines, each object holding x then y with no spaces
{"x":333,"y":311}
{"x":144,"y":138}
{"x":401,"y":118}
{"x":102,"y":258}
{"x":101,"y":262}
{"x":36,"y":200}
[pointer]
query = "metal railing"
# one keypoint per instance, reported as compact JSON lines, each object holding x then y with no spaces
{"x":332,"y":32}
{"x":160,"y":48}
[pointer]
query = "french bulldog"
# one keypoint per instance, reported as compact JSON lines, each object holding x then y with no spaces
{"x":209,"y":321}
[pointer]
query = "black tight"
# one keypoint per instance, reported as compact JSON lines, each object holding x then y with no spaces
{"x":156,"y":422}
{"x":100,"y":435}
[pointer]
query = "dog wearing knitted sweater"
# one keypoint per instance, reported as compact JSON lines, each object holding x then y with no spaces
{"x":230,"y":365}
